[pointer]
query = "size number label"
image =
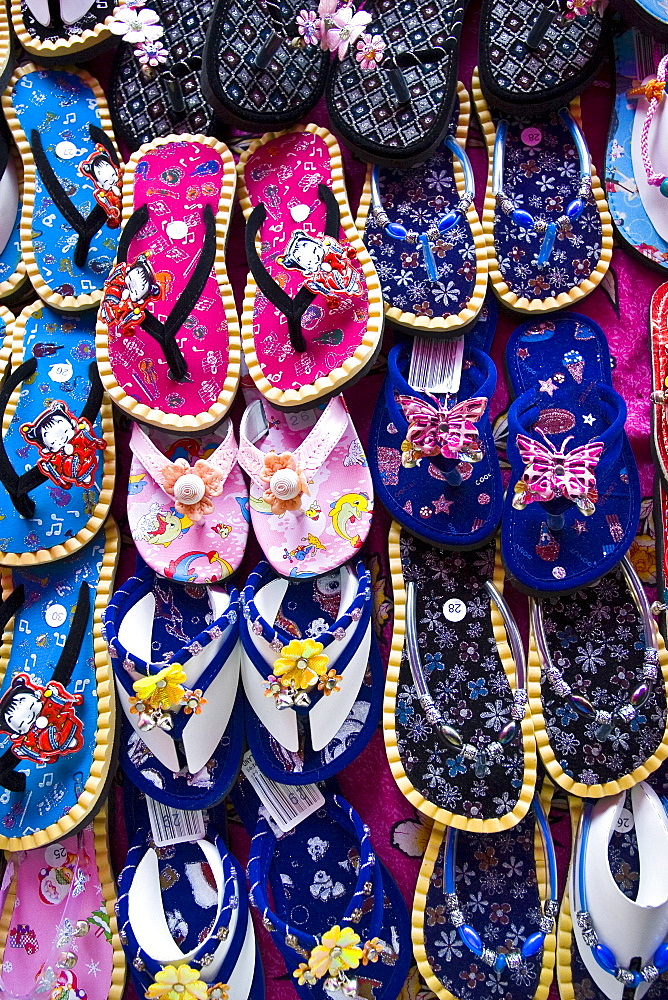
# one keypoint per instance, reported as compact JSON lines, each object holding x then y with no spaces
{"x":625,"y":822}
{"x":454,"y":610}
{"x":301,"y":419}
{"x":287,"y":805}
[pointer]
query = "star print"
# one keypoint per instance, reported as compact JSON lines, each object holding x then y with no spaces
{"x":523,"y":353}
{"x":441,"y":505}
{"x":580,"y":526}
{"x":93,"y":968}
{"x":547,"y":386}
{"x":589,"y":418}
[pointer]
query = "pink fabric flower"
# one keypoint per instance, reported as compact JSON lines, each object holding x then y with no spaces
{"x":136,"y":26}
{"x":211,"y":480}
{"x":308,"y":26}
{"x":370,"y":49}
{"x":274,"y":463}
{"x":341,"y":28}
{"x":151,"y":53}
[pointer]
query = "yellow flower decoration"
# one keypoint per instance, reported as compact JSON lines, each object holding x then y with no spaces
{"x":338,"y":950}
{"x":410,"y":455}
{"x":162,"y":690}
{"x":301,"y":663}
{"x":372,"y":950}
{"x":331,"y":681}
{"x":304,"y":976}
{"x":182,"y":983}
{"x":218,"y":991}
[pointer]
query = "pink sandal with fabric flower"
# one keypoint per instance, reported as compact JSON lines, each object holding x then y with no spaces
{"x":189,"y":522}
{"x":311,"y":496}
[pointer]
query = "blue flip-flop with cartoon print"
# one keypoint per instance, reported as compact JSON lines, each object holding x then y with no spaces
{"x":56,"y":718}
{"x":57,"y":462}
{"x":72,"y":209}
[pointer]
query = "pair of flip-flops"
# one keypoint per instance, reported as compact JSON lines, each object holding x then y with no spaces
{"x":58,"y":932}
{"x":331,"y":907}
{"x":304,"y":651}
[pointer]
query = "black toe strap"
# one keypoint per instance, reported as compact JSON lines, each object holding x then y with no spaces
{"x":165,"y":333}
{"x":87,"y":227}
{"x":19,"y":486}
{"x":292,"y":308}
{"x":14,"y":780}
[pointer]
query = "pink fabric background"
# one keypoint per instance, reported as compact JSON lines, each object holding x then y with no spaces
{"x":367,"y":783}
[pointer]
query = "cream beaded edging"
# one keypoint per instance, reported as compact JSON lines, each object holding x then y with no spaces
{"x":96,"y":782}
{"x":365,"y":353}
{"x":140,"y":411}
{"x":440,"y":815}
{"x":522,"y":304}
{"x":68,"y":303}
{"x":455,"y":323}
{"x":11,"y":356}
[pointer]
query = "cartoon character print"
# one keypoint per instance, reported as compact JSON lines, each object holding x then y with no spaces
{"x":106,"y":178}
{"x":40,"y":720}
{"x":326,"y":264}
{"x":128,"y":291}
{"x":67,"y":987}
{"x":67,"y":446}
{"x":58,"y":874}
{"x":161,"y":527}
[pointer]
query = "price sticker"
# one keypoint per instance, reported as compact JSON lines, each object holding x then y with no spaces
{"x":454,"y":610}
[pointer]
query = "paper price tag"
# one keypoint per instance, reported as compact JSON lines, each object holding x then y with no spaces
{"x":287,"y":805}
{"x":625,"y":822}
{"x":301,"y":420}
{"x":174,"y":826}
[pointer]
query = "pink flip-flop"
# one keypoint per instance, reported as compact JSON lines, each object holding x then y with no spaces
{"x":58,"y":935}
{"x":311,"y":496}
{"x":168,"y":334}
{"x":188,"y":504}
{"x":313,"y":310}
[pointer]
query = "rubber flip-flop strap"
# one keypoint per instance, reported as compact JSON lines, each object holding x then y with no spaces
{"x":165,"y":333}
{"x":547,"y":15}
{"x":9,"y":777}
{"x":19,"y":486}
{"x":292,"y":308}
{"x":87,"y":227}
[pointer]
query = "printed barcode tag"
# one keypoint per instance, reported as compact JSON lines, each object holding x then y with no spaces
{"x":174,"y":826}
{"x":300,"y":420}
{"x":287,"y":805}
{"x":436,"y":365}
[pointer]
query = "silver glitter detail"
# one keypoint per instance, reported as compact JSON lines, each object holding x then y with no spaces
{"x":546,"y":924}
{"x":603,"y":717}
{"x":540,"y":226}
{"x":469,"y":752}
{"x":520,"y":698}
{"x":590,"y":937}
{"x":624,"y":976}
{"x":206,"y":960}
{"x":430,"y":710}
{"x":433,"y":234}
{"x":514,"y":960}
{"x":381,"y":217}
{"x":649,"y":973}
{"x":488,"y":956}
{"x":494,"y":751}
{"x":465,"y":203}
{"x":557,"y":682}
{"x":505,"y":204}
{"x":291,"y":941}
{"x":627,"y":713}
{"x":551,"y":908}
{"x":451,"y":901}
{"x":138,"y":964}
{"x":457,"y":918}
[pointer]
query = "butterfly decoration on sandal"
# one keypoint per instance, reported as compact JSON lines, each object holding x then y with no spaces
{"x":552,"y":472}
{"x":433,"y":429}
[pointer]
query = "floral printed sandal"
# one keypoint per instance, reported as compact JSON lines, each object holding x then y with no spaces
{"x":62,"y":31}
{"x":263,"y":66}
{"x":175,"y":651}
{"x":155,"y":88}
{"x":183,"y":920}
{"x":633,"y":192}
{"x":424,"y":237}
{"x":59,"y":431}
{"x":168,"y":335}
{"x":479,"y":891}
{"x":391,"y":101}
{"x":188,"y":521}
{"x":58,"y":933}
{"x":450,"y":659}
{"x":598,"y":671}
{"x":614,"y":913}
{"x":543,"y":261}
{"x":56,"y":732}
{"x":313,"y":314}
{"x":311,"y":497}
{"x":435,"y":466}
{"x":311,"y":670}
{"x":537,"y":57}
{"x":70,"y":163}
{"x":574,"y":505}
{"x":354,"y":938}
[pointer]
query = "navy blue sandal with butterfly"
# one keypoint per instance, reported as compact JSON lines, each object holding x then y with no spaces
{"x":572,"y":508}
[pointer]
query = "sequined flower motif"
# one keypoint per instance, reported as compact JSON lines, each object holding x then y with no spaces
{"x":304,"y":976}
{"x":301,"y":663}
{"x":372,"y":950}
{"x":331,"y":681}
{"x":338,"y":950}
{"x":163,"y":690}
{"x":151,"y":54}
{"x":136,"y":26}
{"x":308,"y":26}
{"x":341,"y":29}
{"x":192,"y":486}
{"x":286,"y":482}
{"x":182,"y":983}
{"x":194,"y":702}
{"x":370,"y":49}
{"x":578,"y":8}
{"x":218,"y":991}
